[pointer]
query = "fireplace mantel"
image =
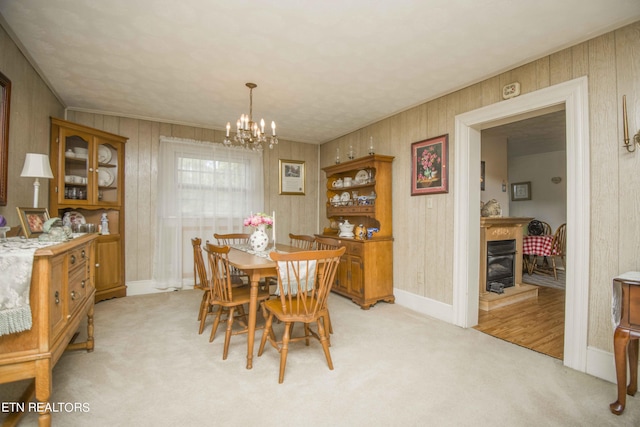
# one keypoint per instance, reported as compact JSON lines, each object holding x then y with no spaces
{"x":503,"y":228}
{"x":488,"y":222}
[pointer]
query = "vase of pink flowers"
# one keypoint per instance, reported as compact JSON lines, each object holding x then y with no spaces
{"x":259,"y":240}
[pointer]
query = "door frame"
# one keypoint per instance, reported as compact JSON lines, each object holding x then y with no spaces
{"x":573,"y":95}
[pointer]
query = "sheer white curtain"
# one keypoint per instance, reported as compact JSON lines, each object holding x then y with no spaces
{"x":203,"y":187}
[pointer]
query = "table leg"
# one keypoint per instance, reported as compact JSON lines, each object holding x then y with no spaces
{"x":620,"y":342}
{"x":253,"y":309}
{"x":632,"y":348}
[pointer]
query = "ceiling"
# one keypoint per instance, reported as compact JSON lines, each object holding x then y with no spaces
{"x":541,"y":134}
{"x":323,"y":68}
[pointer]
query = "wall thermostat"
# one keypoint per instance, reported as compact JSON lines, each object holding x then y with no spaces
{"x":511,"y":90}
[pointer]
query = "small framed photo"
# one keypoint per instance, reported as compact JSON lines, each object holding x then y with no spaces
{"x":521,"y":191}
{"x":32,"y":221}
{"x":430,"y":166}
{"x":292,"y":177}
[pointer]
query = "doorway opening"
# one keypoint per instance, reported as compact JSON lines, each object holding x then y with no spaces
{"x":573,"y":95}
{"x":532,"y":151}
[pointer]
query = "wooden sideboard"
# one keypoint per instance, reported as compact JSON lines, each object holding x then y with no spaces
{"x":62,"y":292}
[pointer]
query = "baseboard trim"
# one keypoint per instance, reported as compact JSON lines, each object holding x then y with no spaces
{"x":601,"y":364}
{"x":424,"y":305}
{"x":143,"y":287}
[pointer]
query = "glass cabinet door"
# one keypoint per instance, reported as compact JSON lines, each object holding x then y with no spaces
{"x":75,"y":171}
{"x":107,"y":176}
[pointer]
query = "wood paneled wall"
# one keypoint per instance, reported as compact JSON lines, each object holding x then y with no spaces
{"x":32,"y":103}
{"x":423,"y":249}
{"x":293,"y":213}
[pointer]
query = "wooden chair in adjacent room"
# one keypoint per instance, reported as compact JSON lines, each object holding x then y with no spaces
{"x":558,"y":246}
{"x":302,"y":241}
{"x":546,"y":228}
{"x":304,"y":283}
{"x":223,"y":293}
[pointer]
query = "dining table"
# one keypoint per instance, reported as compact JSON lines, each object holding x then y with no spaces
{"x":257,"y":266}
{"x":532,"y":246}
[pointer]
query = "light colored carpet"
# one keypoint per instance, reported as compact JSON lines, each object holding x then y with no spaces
{"x":393,"y":367}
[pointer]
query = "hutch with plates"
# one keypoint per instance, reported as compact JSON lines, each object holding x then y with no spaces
{"x":88,"y":187}
{"x":359,"y":191}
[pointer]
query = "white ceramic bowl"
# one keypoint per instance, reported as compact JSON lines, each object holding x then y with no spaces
{"x":79,"y":150}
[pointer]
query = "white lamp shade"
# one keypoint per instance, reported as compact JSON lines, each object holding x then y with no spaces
{"x":36,"y":166}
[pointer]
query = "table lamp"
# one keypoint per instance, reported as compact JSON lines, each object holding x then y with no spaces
{"x":36,"y":166}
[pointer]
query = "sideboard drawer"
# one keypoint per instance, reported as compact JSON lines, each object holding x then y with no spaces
{"x":353,"y":248}
{"x":77,"y":289}
{"x":57,"y":309}
{"x":78,"y":258}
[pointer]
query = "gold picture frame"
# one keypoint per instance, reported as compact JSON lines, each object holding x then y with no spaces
{"x":292,"y":177}
{"x":32,"y":221}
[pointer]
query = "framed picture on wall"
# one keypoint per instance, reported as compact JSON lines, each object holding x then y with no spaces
{"x":521,"y":191}
{"x":429,"y":166}
{"x":5,"y":103}
{"x":292,"y":174}
{"x":482,"y":176}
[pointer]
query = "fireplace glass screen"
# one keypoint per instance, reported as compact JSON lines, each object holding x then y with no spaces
{"x":500,"y":265}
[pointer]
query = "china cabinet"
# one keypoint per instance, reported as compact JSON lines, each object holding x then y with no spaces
{"x":359,"y":191}
{"x":88,"y":187}
{"x":61,"y":297}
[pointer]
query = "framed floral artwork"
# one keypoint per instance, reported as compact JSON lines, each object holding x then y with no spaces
{"x":430,"y":166}
{"x":32,"y":221}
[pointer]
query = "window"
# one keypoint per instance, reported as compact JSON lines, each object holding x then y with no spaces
{"x":203,"y":188}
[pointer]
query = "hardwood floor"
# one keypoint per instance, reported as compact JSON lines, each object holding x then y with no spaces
{"x":537,"y":323}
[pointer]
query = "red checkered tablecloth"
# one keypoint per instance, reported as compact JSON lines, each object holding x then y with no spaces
{"x":538,"y":245}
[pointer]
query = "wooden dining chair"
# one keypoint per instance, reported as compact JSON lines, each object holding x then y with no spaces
{"x":326,"y":243}
{"x":238,"y":277}
{"x":200,"y":278}
{"x":231,"y":299}
{"x":304,"y":283}
{"x":302,"y":241}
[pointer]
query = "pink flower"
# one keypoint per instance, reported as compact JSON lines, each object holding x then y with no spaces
{"x":258,"y":219}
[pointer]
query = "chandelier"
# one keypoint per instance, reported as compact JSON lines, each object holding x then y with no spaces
{"x":248,"y":133}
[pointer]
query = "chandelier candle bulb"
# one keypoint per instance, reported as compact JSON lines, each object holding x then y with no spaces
{"x":371,"y":146}
{"x":273,"y":128}
{"x":228,"y":128}
{"x":262,"y":125}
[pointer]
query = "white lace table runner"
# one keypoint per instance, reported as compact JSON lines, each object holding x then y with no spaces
{"x":16,"y":263}
{"x":247,"y":249}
